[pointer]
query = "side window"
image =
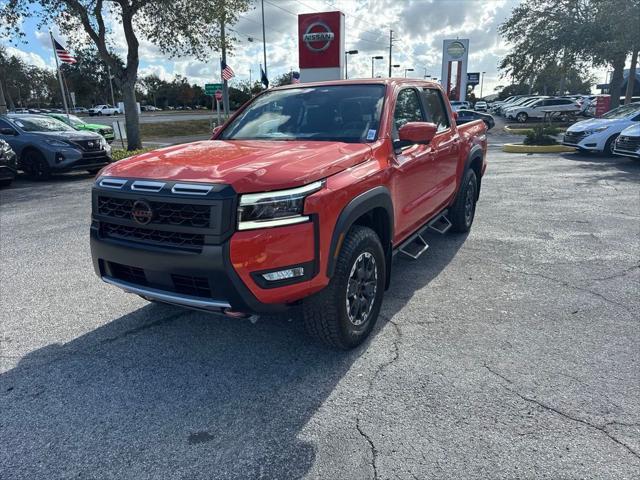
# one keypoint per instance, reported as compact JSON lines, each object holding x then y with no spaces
{"x":5,"y":124}
{"x":436,"y":111}
{"x":408,"y":108}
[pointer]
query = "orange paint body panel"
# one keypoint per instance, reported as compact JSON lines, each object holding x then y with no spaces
{"x":270,"y":249}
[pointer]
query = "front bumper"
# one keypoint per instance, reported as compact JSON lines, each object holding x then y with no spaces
{"x":224,"y":268}
{"x":582,"y":142}
{"x":627,"y":146}
{"x":7,"y":172}
{"x":68,"y":159}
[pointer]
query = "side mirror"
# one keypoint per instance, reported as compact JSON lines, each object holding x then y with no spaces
{"x":7,"y":131}
{"x":417,"y":132}
{"x":215,"y":132}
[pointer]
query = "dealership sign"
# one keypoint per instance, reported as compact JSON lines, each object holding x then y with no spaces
{"x":321,"y":46}
{"x":318,"y":37}
{"x":473,"y":78}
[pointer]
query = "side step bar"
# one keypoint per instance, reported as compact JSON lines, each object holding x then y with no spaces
{"x":414,"y":246}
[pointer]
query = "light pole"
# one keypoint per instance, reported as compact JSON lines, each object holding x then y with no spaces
{"x":346,"y":56}
{"x":481,"y":82}
{"x":407,"y":70}
{"x":373,"y":59}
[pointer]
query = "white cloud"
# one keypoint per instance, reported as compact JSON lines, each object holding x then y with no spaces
{"x":419,"y":27}
{"x":29,"y":57}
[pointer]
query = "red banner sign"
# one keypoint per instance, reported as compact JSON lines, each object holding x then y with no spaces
{"x":319,"y":39}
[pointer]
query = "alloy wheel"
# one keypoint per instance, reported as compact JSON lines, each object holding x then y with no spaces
{"x":361,"y":289}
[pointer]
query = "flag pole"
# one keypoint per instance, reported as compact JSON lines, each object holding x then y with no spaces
{"x":55,"y":55}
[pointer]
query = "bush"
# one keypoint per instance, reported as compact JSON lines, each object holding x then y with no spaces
{"x":121,"y":154}
{"x":541,"y":135}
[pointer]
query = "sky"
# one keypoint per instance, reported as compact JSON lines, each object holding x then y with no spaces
{"x":419,"y":28}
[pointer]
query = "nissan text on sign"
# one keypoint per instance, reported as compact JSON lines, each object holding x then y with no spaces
{"x":321,"y":46}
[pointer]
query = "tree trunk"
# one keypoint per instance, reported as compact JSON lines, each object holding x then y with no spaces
{"x":631,"y":80}
{"x":3,"y":104}
{"x":131,"y":115}
{"x":615,"y":85}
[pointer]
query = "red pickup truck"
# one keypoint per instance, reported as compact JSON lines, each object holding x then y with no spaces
{"x":302,"y":197}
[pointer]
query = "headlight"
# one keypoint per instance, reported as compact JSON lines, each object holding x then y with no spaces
{"x":274,"y":209}
{"x":595,"y":130}
{"x":57,"y":143}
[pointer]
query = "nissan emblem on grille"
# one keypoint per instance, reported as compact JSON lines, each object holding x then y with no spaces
{"x":141,"y":212}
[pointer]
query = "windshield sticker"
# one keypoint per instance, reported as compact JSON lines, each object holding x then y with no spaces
{"x":371,"y":135}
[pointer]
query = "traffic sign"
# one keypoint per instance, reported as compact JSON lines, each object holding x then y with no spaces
{"x":218,"y":95}
{"x":211,"y":88}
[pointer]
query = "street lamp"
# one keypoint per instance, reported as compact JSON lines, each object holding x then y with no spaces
{"x":407,"y":70}
{"x":481,"y":82}
{"x":377,"y":57}
{"x":346,"y":56}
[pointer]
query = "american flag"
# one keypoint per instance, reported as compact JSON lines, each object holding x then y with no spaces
{"x":295,"y":77}
{"x":63,"y":55}
{"x":227,"y":71}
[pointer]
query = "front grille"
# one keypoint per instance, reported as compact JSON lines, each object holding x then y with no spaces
{"x":91,"y":158}
{"x":195,"y":286}
{"x":128,"y":274}
{"x":89,"y":145}
{"x":180,"y":240}
{"x":574,"y":137}
{"x":629,"y":144}
{"x":164,"y":213}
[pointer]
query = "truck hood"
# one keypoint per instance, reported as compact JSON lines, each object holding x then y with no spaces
{"x":247,"y":165}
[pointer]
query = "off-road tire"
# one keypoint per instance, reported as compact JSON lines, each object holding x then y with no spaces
{"x":35,"y":165}
{"x":459,"y":213}
{"x":325,"y":313}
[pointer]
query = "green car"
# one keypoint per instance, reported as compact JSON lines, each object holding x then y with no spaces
{"x":78,"y":124}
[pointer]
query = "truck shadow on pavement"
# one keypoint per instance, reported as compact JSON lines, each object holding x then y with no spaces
{"x":168,"y":393}
{"x":616,"y":168}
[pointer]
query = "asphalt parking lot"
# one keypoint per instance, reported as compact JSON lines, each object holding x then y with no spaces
{"x":511,"y":352}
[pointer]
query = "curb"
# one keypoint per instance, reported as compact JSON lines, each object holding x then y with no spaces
{"x":521,"y":148}
{"x":524,"y":131}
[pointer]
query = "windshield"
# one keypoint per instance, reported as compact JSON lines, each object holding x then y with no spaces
{"x":622,"y":112}
{"x":340,"y":113}
{"x":75,"y":121}
{"x":41,"y":124}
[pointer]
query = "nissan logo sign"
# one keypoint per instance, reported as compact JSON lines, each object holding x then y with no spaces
{"x":318,"y":37}
{"x":141,"y":212}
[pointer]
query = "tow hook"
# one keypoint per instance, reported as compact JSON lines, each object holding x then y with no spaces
{"x":240,"y":315}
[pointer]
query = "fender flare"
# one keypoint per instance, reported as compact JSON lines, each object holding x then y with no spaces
{"x":475,"y":152}
{"x":375,"y":198}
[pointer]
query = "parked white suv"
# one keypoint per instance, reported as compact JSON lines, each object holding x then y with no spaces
{"x":628,"y":142}
{"x":599,"y":134}
{"x":481,"y":106}
{"x":103,"y":110}
{"x":539,"y":108}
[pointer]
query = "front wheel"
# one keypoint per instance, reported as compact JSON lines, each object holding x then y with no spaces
{"x":344,"y":313}
{"x":522,"y":117}
{"x":610,"y":145}
{"x":35,"y":165}
{"x":464,"y":208}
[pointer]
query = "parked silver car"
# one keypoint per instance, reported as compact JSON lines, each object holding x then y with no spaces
{"x":45,"y":145}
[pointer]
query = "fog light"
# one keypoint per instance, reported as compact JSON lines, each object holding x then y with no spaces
{"x":284,"y":274}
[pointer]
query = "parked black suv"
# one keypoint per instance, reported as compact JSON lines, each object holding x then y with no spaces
{"x":8,"y":164}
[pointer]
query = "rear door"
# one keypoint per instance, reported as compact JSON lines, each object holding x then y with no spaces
{"x":446,"y":149}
